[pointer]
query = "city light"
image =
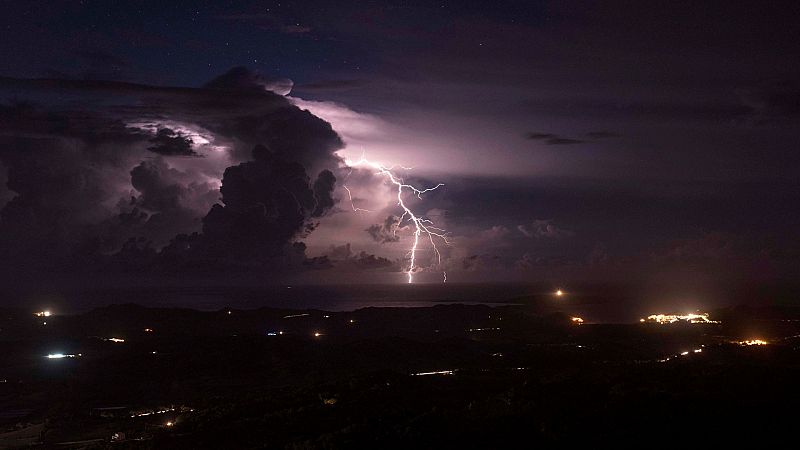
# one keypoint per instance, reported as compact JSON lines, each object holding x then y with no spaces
{"x":113,"y":339}
{"x":62,"y":356}
{"x":672,"y":318}
{"x":576,"y":320}
{"x":42,"y":314}
{"x":753,"y":342}
{"x":559,"y":293}
{"x":439,"y":372}
{"x":151,"y":412}
{"x":296,"y":315}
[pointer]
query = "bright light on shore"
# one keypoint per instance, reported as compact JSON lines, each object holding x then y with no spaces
{"x":438,"y":372}
{"x":559,"y":293}
{"x":61,"y":356}
{"x":672,"y":318}
{"x":753,"y":342}
{"x":42,"y":314}
{"x":576,"y":320}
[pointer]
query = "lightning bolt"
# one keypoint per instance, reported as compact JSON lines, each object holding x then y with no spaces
{"x":422,"y":226}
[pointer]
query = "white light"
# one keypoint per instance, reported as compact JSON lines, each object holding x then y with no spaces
{"x":440,"y":372}
{"x":672,"y":318}
{"x":296,"y":315}
{"x":61,"y":356}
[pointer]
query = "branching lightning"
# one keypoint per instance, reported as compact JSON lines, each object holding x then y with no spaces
{"x":421,"y":224}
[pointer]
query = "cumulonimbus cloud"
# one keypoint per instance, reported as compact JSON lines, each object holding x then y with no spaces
{"x":86,"y":176}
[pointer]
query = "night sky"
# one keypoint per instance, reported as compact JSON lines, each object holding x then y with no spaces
{"x":636,"y":142}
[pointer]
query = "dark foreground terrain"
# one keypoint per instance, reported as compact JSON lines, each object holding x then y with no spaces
{"x":450,"y":376}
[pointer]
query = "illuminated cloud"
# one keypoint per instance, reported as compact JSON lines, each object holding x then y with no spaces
{"x":91,"y":180}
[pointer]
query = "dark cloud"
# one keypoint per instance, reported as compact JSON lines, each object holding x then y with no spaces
{"x":84,"y":184}
{"x":241,"y":78}
{"x":169,"y":143}
{"x":552,"y":139}
{"x":385,"y":232}
{"x":323,"y":192}
{"x":539,"y":136}
{"x":563,"y":141}
{"x":342,"y":256}
{"x":481,"y":262}
{"x":265,"y":203}
{"x":367,"y":261}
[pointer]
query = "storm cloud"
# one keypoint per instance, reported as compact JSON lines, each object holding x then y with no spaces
{"x":109,"y":178}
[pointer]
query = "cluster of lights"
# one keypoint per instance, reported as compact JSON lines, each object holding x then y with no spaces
{"x":62,"y":355}
{"x":113,"y":339}
{"x":752,"y":342}
{"x":683,"y":353}
{"x":439,"y":372}
{"x":153,"y":412}
{"x":296,"y":315}
{"x":576,"y":320}
{"x":484,"y":329}
{"x":42,"y":314}
{"x":559,"y":293}
{"x":672,"y":318}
